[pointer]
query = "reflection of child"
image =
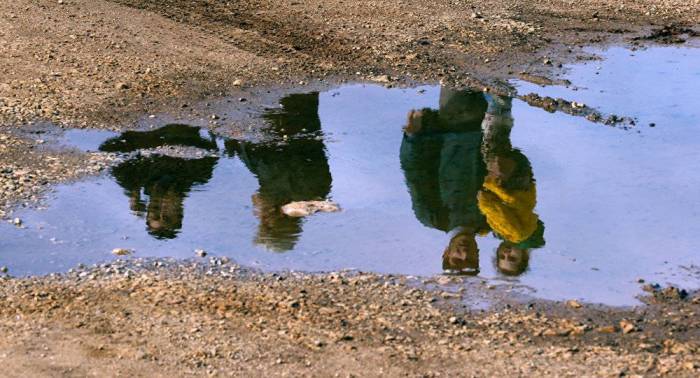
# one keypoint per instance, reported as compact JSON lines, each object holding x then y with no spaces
{"x":508,"y":196}
{"x":164,"y":180}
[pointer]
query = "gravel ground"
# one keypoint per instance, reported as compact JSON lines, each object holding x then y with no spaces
{"x":164,"y":318}
{"x":103,"y":63}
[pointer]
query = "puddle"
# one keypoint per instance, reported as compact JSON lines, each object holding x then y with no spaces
{"x":475,"y":185}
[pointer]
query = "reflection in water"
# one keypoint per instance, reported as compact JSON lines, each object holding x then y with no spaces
{"x":466,"y":179}
{"x":164,"y":180}
{"x":295,"y":170}
{"x":463,"y":175}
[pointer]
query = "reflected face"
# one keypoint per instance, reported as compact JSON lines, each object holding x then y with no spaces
{"x":165,"y":213}
{"x":462,"y":255}
{"x":511,"y":260}
{"x":414,"y":123}
{"x":500,"y":167}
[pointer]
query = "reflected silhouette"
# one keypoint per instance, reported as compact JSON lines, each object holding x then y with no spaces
{"x":466,"y":179}
{"x":508,"y":196}
{"x":294,"y":170}
{"x":164,"y":180}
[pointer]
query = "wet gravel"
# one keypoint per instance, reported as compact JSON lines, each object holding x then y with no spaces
{"x":28,"y":169}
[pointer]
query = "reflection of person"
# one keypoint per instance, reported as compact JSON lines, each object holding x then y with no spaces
{"x":508,"y":196}
{"x":465,"y":179}
{"x":294,"y":170}
{"x":165,"y":180}
{"x":441,"y":158}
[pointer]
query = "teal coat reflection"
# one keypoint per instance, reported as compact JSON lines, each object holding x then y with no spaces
{"x":442,"y":162}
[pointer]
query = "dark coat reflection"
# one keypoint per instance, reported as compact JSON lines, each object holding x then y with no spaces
{"x":296,"y":169}
{"x":158,"y":185}
{"x":466,"y":179}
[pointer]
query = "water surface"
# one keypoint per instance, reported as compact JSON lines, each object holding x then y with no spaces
{"x":430,"y":180}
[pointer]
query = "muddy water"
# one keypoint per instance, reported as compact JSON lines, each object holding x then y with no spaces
{"x":430,"y":181}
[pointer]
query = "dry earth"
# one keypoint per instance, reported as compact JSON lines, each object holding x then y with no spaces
{"x":89,"y":62}
{"x":99,"y":63}
{"x":155,"y":318}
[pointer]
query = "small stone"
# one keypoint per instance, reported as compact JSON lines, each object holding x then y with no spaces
{"x":574,"y":304}
{"x":556,"y":332}
{"x":122,"y":252}
{"x":627,"y":327}
{"x":200,"y":252}
{"x":237,"y":83}
{"x":122,"y":86}
{"x":382,"y":79}
{"x":305,"y":208}
{"x":607,"y":329}
{"x":3,"y":269}
{"x":17,"y":222}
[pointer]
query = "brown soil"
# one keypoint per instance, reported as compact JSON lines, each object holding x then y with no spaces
{"x":97,"y":62}
{"x":175,"y":320}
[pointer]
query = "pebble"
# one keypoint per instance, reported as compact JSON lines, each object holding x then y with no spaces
{"x":200,"y":252}
{"x":122,"y":251}
{"x":607,"y":329}
{"x":627,"y":327}
{"x":382,"y":79}
{"x":305,"y":208}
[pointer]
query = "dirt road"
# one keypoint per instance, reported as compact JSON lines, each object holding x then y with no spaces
{"x":96,"y":62}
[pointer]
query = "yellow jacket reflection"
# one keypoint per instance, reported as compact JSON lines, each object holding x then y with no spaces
{"x":466,"y":179}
